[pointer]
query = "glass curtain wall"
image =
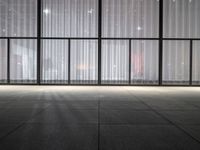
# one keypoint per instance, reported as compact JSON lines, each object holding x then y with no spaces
{"x":3,"y":61}
{"x":176,"y":58}
{"x":72,"y":48}
{"x":196,"y":63}
{"x":181,"y":19}
{"x":18,"y":18}
{"x":130,"y":18}
{"x":115,"y":62}
{"x":144,"y":62}
{"x":54,"y":60}
{"x":23,"y":61}
{"x":70,"y":18}
{"x":84,"y":62}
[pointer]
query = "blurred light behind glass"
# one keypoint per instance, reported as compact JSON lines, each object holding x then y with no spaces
{"x":23,"y":57}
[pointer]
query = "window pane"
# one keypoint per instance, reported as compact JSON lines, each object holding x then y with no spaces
{"x":130,"y":18}
{"x":181,"y":18}
{"x":196,"y":63}
{"x":144,"y":62}
{"x":84,"y":61}
{"x":23,"y":57}
{"x":70,"y":18}
{"x":18,"y":18}
{"x":3,"y":61}
{"x":115,"y":61}
{"x":55,"y":62}
{"x":176,"y":62}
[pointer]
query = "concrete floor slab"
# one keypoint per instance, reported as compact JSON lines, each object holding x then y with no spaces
{"x":144,"y":137}
{"x":52,"y":137}
{"x":130,"y":117}
{"x":99,"y":118}
{"x":183,"y":117}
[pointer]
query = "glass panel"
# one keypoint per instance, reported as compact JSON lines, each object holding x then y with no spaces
{"x":115,"y":61}
{"x":55,"y":62}
{"x":176,"y":62}
{"x":196,"y":63}
{"x":144,"y":62}
{"x":23,"y":57}
{"x":84,"y":61}
{"x":18,"y":18}
{"x":70,"y":18}
{"x":130,"y":18}
{"x":181,"y":18}
{"x":3,"y":61}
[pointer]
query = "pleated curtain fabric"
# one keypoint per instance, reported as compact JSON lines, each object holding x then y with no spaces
{"x":181,"y":19}
{"x":196,"y":63}
{"x":54,"y":59}
{"x":3,"y":61}
{"x":130,"y":18}
{"x":144,"y":62}
{"x":23,"y":61}
{"x":18,"y":18}
{"x":176,"y":58}
{"x":84,"y":62}
{"x":115,"y":62}
{"x":70,"y":18}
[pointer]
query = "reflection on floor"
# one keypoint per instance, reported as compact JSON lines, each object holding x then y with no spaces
{"x":99,"y":118}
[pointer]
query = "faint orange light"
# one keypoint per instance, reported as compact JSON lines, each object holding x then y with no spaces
{"x":83,"y":66}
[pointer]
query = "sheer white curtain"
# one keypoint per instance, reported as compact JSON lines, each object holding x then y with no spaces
{"x":144,"y":62}
{"x":3,"y":61}
{"x":176,"y":58}
{"x":84,"y":61}
{"x":115,"y":61}
{"x":70,"y":18}
{"x":23,"y":57}
{"x":54,"y":59}
{"x":196,"y":62}
{"x":18,"y":18}
{"x":130,"y":18}
{"x":181,"y":18}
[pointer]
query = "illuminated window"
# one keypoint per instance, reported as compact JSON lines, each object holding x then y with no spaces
{"x":181,"y":18}
{"x":115,"y":62}
{"x":23,"y":57}
{"x":144,"y":62}
{"x":130,"y":18}
{"x":70,"y":18}
{"x":3,"y":61}
{"x":176,"y":62}
{"x":18,"y":18}
{"x":54,"y":61}
{"x":84,"y":61}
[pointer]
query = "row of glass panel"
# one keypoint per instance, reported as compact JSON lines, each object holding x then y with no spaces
{"x":120,"y":18}
{"x":84,"y":61}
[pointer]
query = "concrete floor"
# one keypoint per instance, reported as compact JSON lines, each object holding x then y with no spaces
{"x":99,"y":118}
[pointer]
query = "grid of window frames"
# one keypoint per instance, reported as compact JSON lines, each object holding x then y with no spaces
{"x":105,"y":42}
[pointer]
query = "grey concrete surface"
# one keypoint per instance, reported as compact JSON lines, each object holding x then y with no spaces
{"x":99,"y":118}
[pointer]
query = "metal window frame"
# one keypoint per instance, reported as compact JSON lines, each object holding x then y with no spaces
{"x":39,"y":39}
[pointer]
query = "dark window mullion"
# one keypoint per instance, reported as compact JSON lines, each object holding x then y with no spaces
{"x":39,"y":24}
{"x":99,"y":40}
{"x":191,"y":56}
{"x":160,"y":42}
{"x":8,"y":61}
